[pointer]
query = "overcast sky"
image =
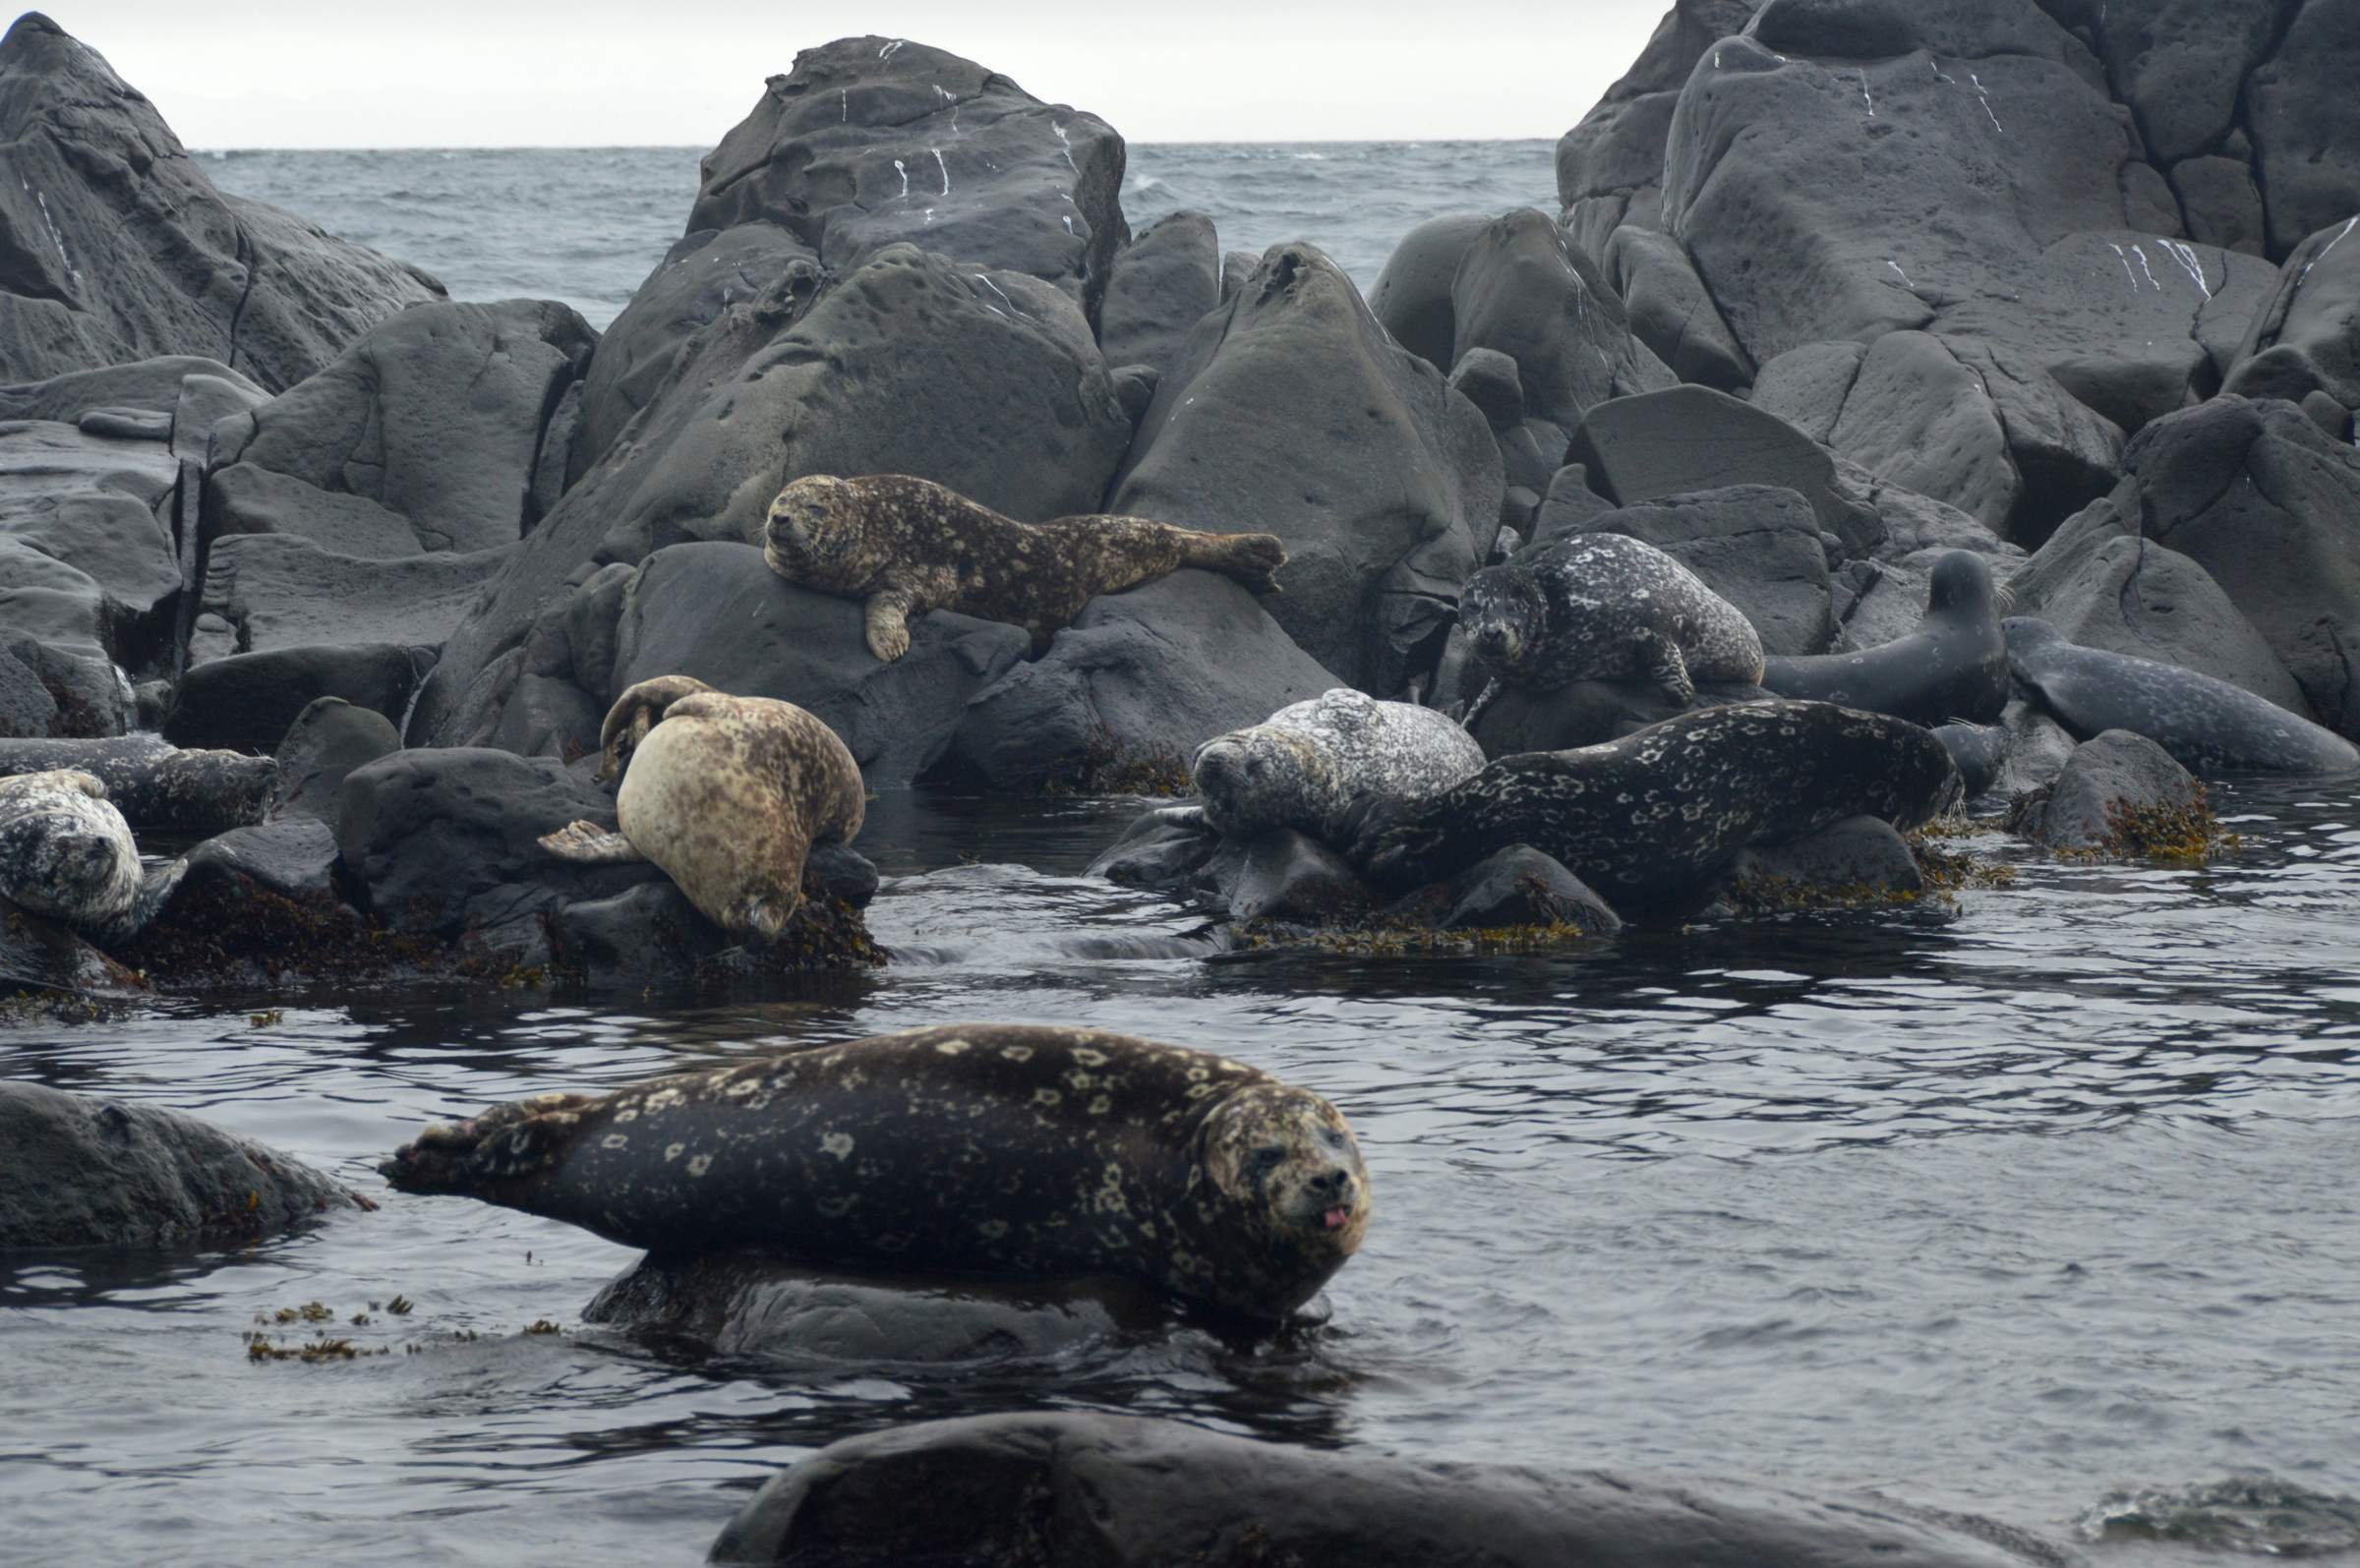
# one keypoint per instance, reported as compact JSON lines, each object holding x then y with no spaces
{"x":433,"y":72}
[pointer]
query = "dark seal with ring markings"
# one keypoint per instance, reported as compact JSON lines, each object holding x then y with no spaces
{"x":981,"y":1148}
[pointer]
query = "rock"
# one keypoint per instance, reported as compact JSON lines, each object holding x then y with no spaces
{"x":1756,"y":545}
{"x":1124,"y":697}
{"x":247,"y":700}
{"x":1160,"y":848}
{"x":1566,"y":507}
{"x":1913,"y":522}
{"x":2223,"y":205}
{"x":939,"y":152}
{"x":2305,"y":337}
{"x":1586,"y":713}
{"x":1693,"y":438}
{"x":158,"y":786}
{"x":2299,"y":111}
{"x":2258,"y":497}
{"x":89,"y":1172}
{"x":1290,"y":412}
{"x":40,"y":956}
{"x":281,"y":593}
{"x":1670,"y":311}
{"x":2181,"y":64}
{"x":1162,"y":283}
{"x":294,"y":857}
{"x":2111,"y":794}
{"x":2035,"y":748}
{"x":1411,"y":299}
{"x":1517,"y":887}
{"x":27,"y":709}
{"x":206,"y":398}
{"x":1029,"y":1490}
{"x":1288,"y":877}
{"x":1951,"y":664}
{"x":1859,"y":859}
{"x":125,"y":250}
{"x":716,"y":611}
{"x":327,"y":741}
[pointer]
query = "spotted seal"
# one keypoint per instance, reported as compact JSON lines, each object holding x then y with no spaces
{"x":998,"y":1148}
{"x":1598,"y":606}
{"x":66,"y":853}
{"x":2208,"y":725}
{"x":726,"y":794}
{"x":1305,"y":765}
{"x":1649,"y":820}
{"x":1953,"y":666}
{"x":906,"y":546}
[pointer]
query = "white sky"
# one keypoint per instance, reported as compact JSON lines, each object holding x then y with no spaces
{"x":436,"y":73}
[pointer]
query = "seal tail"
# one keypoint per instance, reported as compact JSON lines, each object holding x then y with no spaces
{"x":590,"y":844}
{"x":501,"y":1145}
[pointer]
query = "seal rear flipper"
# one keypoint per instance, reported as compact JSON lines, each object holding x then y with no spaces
{"x":501,"y":1145}
{"x":1253,"y":560}
{"x":156,"y":888}
{"x":590,"y":844}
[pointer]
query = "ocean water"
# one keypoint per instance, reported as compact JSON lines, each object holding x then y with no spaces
{"x":2036,"y":1203}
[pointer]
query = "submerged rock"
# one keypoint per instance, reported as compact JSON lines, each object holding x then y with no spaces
{"x":2119,"y":794}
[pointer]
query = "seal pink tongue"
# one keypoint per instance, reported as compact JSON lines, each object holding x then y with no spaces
{"x":1337,"y":1218}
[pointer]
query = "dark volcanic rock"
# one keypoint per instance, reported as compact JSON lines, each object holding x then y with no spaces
{"x":327,"y":741}
{"x":26,"y":707}
{"x":2107,"y":778}
{"x":120,"y":248}
{"x":2221,"y":203}
{"x":89,"y":1172}
{"x":1980,"y":751}
{"x":1160,"y":848}
{"x":872,"y":140}
{"x":247,"y":700}
{"x":1517,"y":887}
{"x":2305,"y":337}
{"x":278,"y":593}
{"x":1412,"y":295}
{"x":2300,"y":110}
{"x":294,"y":857}
{"x":40,"y":956}
{"x":1291,"y":413}
{"x":1670,"y":311}
{"x":1857,"y":859}
{"x":2181,"y":64}
{"x":1756,"y":545}
{"x":1162,"y":283}
{"x":1122,"y":1491}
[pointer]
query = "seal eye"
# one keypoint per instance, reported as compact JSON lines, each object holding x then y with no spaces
{"x":1261,"y":1162}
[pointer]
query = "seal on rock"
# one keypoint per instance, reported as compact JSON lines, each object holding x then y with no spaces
{"x":1954,"y":665}
{"x":66,"y":853}
{"x":1651,"y":819}
{"x":2207,"y":726}
{"x":1598,"y":606}
{"x":978,"y":1149}
{"x":1307,"y":764}
{"x":726,"y":794}
{"x":907,"y":546}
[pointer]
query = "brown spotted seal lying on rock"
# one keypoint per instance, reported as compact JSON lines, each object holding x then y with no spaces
{"x":978,"y":1149}
{"x":726,"y":794}
{"x":907,"y":546}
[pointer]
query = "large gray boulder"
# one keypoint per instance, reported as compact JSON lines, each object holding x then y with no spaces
{"x":120,"y":247}
{"x":2110,"y":795}
{"x":2305,"y":123}
{"x":1292,"y":412}
{"x":2305,"y":337}
{"x":1412,"y":295}
{"x":1160,"y":285}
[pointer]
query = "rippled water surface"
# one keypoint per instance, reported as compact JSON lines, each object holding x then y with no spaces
{"x":2004,"y":1207}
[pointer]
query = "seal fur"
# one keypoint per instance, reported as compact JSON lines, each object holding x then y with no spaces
{"x":1307,"y":764}
{"x":905,"y":546}
{"x":978,"y":1149}
{"x":726,"y":794}
{"x":1953,"y":666}
{"x":66,"y":853}
{"x":1651,"y":819}
{"x":1601,"y":606}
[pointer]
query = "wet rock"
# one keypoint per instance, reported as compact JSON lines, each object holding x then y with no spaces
{"x":246,"y":701}
{"x":1289,"y":877}
{"x":1411,"y":299}
{"x":1291,"y":413}
{"x":1161,"y":285}
{"x":1029,"y":1490}
{"x":89,"y":1172}
{"x":1756,"y":545}
{"x":40,"y":956}
{"x":1859,"y":859}
{"x":156,"y":785}
{"x":294,"y":857}
{"x":26,"y":707}
{"x":283,"y":594}
{"x":327,"y":741}
{"x":2114,"y":794}
{"x":1518,"y":888}
{"x":125,"y":250}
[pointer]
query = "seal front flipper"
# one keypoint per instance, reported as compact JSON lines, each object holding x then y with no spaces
{"x":590,"y":844}
{"x":1667,"y":668}
{"x":886,"y":617}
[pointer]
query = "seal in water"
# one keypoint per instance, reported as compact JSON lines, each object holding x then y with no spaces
{"x":1599,"y":606}
{"x":2208,"y":725}
{"x":1307,"y":764}
{"x":980,"y":1148}
{"x":1954,"y":665}
{"x":726,"y":794}
{"x":1651,"y":819}
{"x":907,"y":546}
{"x":66,"y":853}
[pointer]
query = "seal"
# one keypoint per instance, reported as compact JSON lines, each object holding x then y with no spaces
{"x":1008,"y":1149}
{"x":66,"y":853}
{"x":1651,"y":820}
{"x":906,"y":546}
{"x":1602,"y":605}
{"x":2208,"y":725}
{"x":1954,"y":665}
{"x":1307,"y":764}
{"x":726,"y":794}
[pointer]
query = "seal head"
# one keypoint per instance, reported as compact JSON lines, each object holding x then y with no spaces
{"x":66,"y":853}
{"x":1504,"y":613}
{"x":821,"y":534}
{"x":1290,"y":1180}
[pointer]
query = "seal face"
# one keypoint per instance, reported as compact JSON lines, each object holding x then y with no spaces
{"x":1308,"y":765}
{"x":66,"y":853}
{"x":726,"y":794}
{"x":2208,"y":725}
{"x":1953,"y":666}
{"x":905,"y":546}
{"x":1649,"y":820}
{"x":1601,"y":606}
{"x":990,"y":1149}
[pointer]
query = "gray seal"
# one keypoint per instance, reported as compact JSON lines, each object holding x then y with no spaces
{"x":1652,"y":819}
{"x":67,"y":853}
{"x":905,"y":546}
{"x":2208,"y":725}
{"x":1954,"y":665}
{"x":1307,"y":764}
{"x":985,"y":1148}
{"x":1598,"y":606}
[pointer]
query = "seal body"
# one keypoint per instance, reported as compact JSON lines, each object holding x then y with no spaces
{"x":1604,"y":606}
{"x":2208,"y":725}
{"x":905,"y":546}
{"x":1651,"y":819}
{"x":66,"y":853}
{"x":985,"y":1148}
{"x":1954,"y":665}
{"x":726,"y":794}
{"x":1308,"y":765}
